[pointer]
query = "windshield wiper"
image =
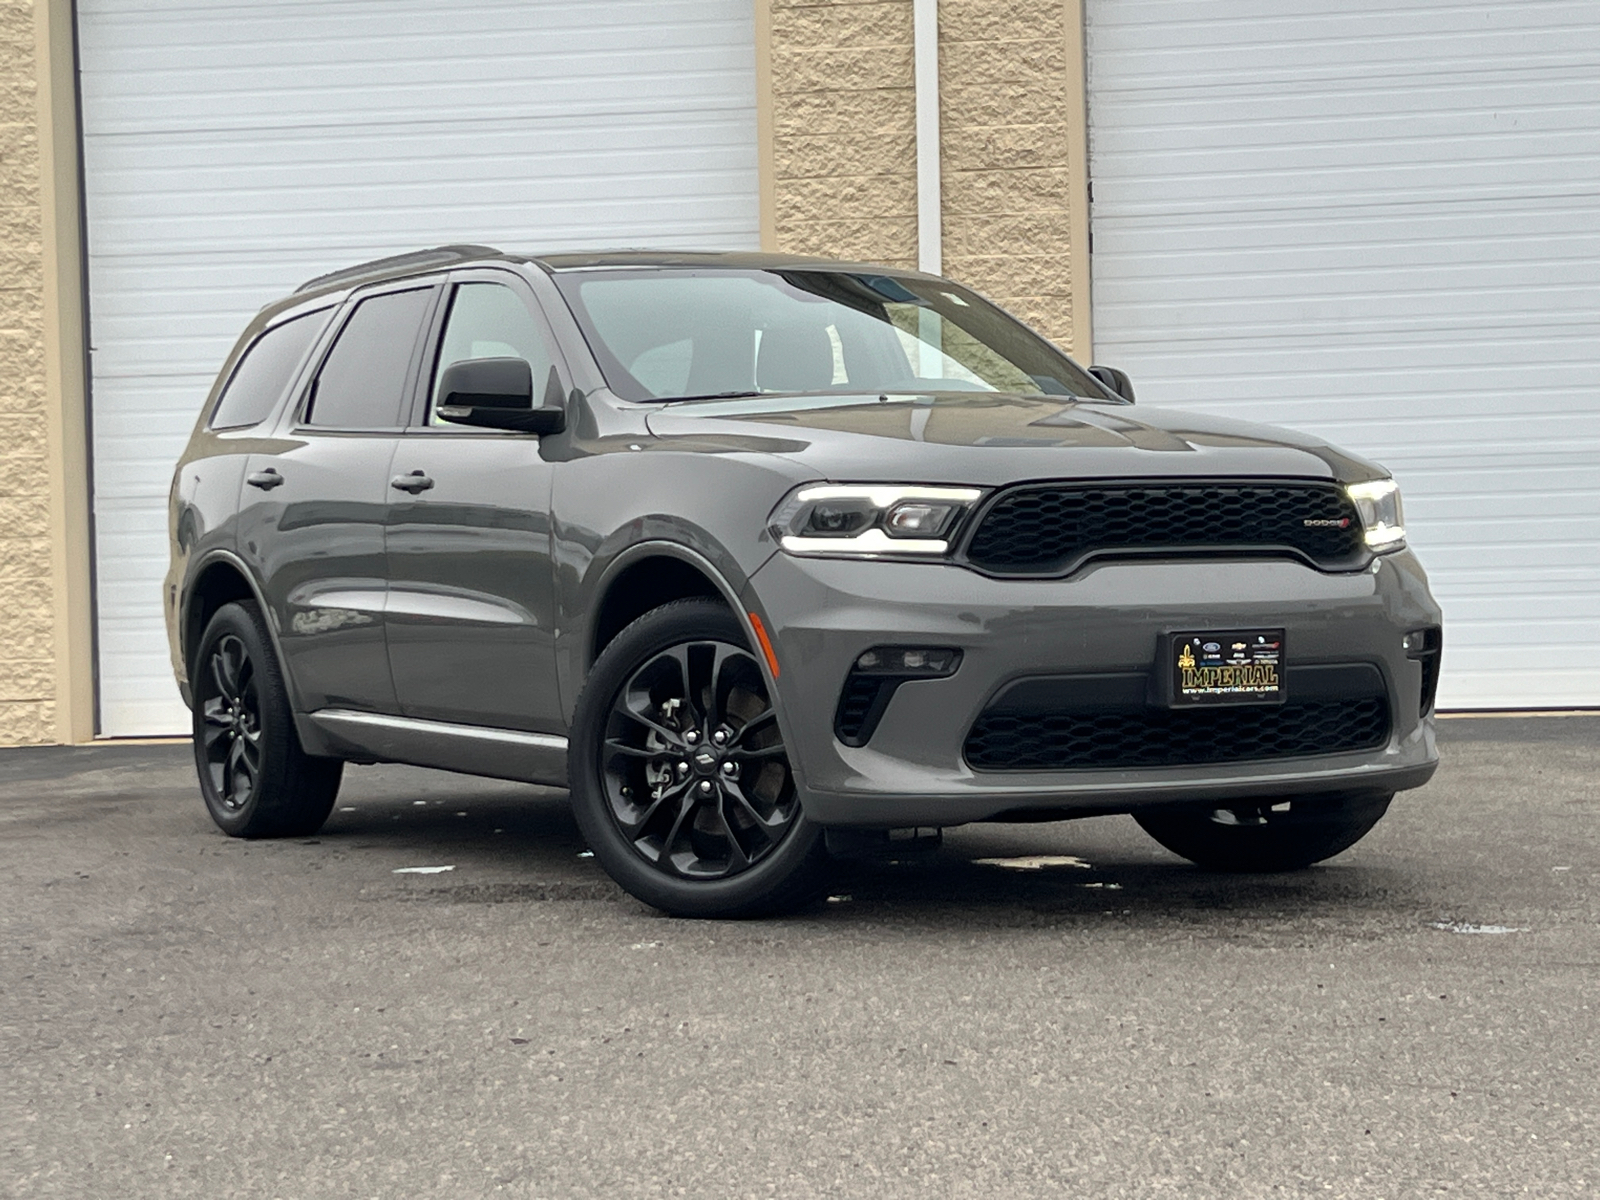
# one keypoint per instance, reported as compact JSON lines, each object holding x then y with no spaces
{"x":745,"y":395}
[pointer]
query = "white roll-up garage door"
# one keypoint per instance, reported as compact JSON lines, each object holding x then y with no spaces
{"x":232,"y":150}
{"x":1379,"y":220}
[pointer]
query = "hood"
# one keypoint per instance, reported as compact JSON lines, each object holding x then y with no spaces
{"x":991,"y":439}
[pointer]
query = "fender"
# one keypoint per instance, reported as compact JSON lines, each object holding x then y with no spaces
{"x":312,"y":738}
{"x":743,"y":601}
{"x":574,"y":658}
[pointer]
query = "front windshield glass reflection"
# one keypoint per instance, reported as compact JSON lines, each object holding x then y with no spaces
{"x":666,"y":334}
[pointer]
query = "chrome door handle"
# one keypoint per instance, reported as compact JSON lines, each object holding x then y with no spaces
{"x":265,"y":480}
{"x":415,"y":483}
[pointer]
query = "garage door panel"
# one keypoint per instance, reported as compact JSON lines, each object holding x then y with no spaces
{"x":1380,"y":224}
{"x":233,"y":151}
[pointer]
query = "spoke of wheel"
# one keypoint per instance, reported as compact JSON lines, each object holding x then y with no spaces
{"x":761,"y":752}
{"x":625,"y":708}
{"x":216,"y":725}
{"x":679,"y":657}
{"x":634,"y":828}
{"x":738,"y":860}
{"x":620,"y":747}
{"x":672,"y":837}
{"x":234,"y":664}
{"x":722,"y":656}
{"x":776,"y":821}
{"x":220,"y":674}
{"x":756,"y":722}
{"x":236,"y":767}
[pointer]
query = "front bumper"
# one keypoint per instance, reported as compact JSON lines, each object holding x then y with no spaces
{"x":822,"y":613}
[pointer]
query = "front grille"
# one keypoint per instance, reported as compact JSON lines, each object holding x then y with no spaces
{"x":1067,"y":722}
{"x":1048,"y":529}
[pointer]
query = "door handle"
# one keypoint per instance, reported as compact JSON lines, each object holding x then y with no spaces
{"x":415,"y":483}
{"x":265,"y":480}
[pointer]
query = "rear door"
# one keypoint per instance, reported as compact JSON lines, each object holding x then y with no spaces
{"x":313,"y":509}
{"x":471,"y":612}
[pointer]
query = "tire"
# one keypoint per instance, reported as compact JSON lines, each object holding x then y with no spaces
{"x":679,"y":777}
{"x":256,"y":779}
{"x":1261,"y":838}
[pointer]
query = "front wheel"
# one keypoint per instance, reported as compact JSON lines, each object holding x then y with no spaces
{"x":1270,"y":836}
{"x":256,"y":779}
{"x":680,"y":779}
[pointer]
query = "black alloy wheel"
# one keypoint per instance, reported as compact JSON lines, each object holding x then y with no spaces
{"x":230,"y":731}
{"x":681,"y":780}
{"x":1271,"y":835}
{"x":695,"y":769}
{"x":256,"y":779}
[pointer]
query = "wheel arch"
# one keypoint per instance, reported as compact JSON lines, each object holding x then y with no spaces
{"x":744,"y":604}
{"x":642,"y":579}
{"x":221,"y":578}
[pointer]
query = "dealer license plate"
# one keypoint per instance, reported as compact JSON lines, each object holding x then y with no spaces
{"x":1236,"y":666}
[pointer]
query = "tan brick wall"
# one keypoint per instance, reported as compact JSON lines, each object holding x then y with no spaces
{"x":1004,"y":129}
{"x":844,"y":144}
{"x":27,"y":600}
{"x":844,"y":129}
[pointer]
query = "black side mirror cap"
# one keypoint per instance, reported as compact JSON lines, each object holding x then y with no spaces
{"x":1114,"y":381}
{"x":517,"y":420}
{"x":487,"y":383}
{"x":497,"y":393}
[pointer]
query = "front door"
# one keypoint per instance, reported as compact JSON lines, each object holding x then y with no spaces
{"x":315,"y":500}
{"x":470,"y":615}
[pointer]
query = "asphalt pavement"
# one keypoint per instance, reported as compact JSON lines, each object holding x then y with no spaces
{"x":1036,"y":1010}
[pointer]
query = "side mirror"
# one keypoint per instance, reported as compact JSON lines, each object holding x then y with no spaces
{"x":1114,"y":381}
{"x":497,"y":393}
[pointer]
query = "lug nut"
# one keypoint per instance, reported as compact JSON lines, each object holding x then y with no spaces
{"x":730,"y":768}
{"x":720,"y":736}
{"x":692,"y":737}
{"x":683,"y":768}
{"x":705,"y":787}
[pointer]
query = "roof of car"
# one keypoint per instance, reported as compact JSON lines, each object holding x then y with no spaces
{"x":736,"y":259}
{"x":445,"y":257}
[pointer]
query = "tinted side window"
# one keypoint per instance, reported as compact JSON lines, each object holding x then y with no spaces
{"x":361,"y":381}
{"x":489,"y":320}
{"x":263,"y":372}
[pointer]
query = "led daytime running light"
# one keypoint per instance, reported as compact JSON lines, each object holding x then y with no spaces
{"x":859,"y":520}
{"x":1378,"y":503}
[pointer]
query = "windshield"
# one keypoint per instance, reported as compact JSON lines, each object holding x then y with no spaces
{"x":665,"y":334}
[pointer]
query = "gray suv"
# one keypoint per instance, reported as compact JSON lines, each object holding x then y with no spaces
{"x":765,"y":555}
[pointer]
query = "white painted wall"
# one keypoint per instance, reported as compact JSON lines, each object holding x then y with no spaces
{"x":233,"y":150}
{"x":1379,"y":220}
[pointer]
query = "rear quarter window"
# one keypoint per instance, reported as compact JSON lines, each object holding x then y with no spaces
{"x":264,"y":371}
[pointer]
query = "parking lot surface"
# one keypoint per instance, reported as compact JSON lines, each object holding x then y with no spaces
{"x":1044,"y":1010}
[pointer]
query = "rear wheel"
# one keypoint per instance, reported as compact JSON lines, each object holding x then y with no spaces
{"x":256,"y":779}
{"x":679,"y":775}
{"x":1271,"y":836}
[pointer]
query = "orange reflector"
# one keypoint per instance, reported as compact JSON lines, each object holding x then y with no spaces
{"x":766,"y":643}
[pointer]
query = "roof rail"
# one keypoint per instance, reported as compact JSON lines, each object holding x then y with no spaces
{"x":439,"y":256}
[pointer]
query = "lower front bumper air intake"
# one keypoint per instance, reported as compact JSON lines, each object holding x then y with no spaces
{"x":1107,"y":722}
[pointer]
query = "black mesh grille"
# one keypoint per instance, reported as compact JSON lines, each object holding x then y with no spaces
{"x":1040,"y":729}
{"x":1044,"y":529}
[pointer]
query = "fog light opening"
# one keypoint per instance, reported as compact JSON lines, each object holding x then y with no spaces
{"x":909,"y":662}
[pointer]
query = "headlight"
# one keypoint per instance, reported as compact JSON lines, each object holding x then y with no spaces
{"x":1378,"y":503}
{"x":897,"y":520}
